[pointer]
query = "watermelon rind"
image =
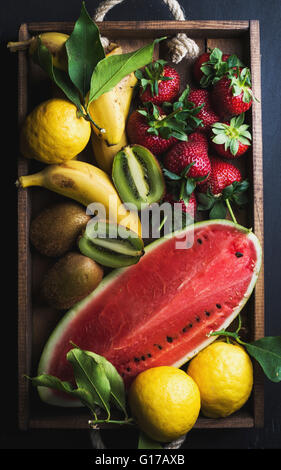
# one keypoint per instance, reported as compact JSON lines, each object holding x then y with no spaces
{"x":47,"y":394}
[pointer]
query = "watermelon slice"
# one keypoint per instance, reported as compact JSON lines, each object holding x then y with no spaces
{"x":159,"y":311}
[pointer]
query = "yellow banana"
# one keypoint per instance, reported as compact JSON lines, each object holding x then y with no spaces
{"x":55,"y":43}
{"x":104,"y":154}
{"x":86,"y":184}
{"x":111,"y":109}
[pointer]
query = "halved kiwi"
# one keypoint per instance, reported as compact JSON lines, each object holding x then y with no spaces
{"x":111,"y":244}
{"x":137,"y":176}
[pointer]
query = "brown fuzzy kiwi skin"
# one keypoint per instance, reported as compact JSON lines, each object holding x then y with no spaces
{"x":69,"y":280}
{"x":54,"y":231}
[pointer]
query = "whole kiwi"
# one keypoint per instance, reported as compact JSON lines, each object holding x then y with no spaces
{"x":70,"y":279}
{"x":54,"y":231}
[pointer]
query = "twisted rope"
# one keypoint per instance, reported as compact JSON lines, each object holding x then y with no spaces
{"x":180,"y":46}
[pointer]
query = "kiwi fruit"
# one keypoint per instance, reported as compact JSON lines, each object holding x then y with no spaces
{"x":69,"y":280}
{"x":54,"y":231}
{"x":137,"y":176}
{"x":111,"y":244}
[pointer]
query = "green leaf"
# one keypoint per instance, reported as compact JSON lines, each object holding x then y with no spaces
{"x":117,"y":388}
{"x":267,"y":351}
{"x":190,"y":186}
{"x":84,"y":51}
{"x":234,"y":146}
{"x":220,"y":139}
{"x":47,"y":380}
{"x":218,"y":210}
{"x":111,"y":70}
{"x":146,"y":442}
{"x":171,"y":175}
{"x":90,"y":376}
{"x":59,"y":77}
{"x":206,"y":201}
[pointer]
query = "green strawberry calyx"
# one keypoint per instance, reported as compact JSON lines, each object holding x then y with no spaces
{"x":219,"y":204}
{"x":178,"y":121}
{"x":151,"y":75}
{"x":231,"y":134}
{"x":183,"y":184}
{"x":215,"y":68}
{"x":241,"y":83}
{"x":186,"y":110}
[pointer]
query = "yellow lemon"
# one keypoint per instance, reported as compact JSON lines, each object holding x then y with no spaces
{"x":53,"y":132}
{"x":165,"y":402}
{"x":224,"y":375}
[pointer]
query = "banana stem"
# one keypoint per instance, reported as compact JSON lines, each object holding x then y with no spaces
{"x":19,"y":46}
{"x":29,"y":180}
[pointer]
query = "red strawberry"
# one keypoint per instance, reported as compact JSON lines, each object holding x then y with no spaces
{"x":189,"y":207}
{"x":183,"y":154}
{"x":198,"y":137}
{"x":138,"y":130}
{"x":208,"y":116}
{"x":232,"y":94}
{"x":158,"y":83}
{"x":213,"y":63}
{"x":231,"y":139}
{"x":225,"y":184}
{"x":222,"y":175}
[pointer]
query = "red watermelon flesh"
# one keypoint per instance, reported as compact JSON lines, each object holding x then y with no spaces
{"x":160,"y":311}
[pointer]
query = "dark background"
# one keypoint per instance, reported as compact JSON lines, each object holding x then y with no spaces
{"x":12,"y":14}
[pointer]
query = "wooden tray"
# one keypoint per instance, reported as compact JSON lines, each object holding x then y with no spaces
{"x":35,"y":322}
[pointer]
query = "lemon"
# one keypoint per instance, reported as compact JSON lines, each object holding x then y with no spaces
{"x":53,"y":132}
{"x":224,"y":375}
{"x":165,"y":402}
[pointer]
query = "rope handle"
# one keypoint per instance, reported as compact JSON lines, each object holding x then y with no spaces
{"x":180,"y":46}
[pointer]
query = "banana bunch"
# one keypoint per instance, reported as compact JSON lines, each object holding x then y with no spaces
{"x":86,"y":184}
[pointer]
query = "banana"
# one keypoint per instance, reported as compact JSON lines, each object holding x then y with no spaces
{"x":104,"y":154}
{"x":111,"y":109}
{"x":55,"y":43}
{"x":86,"y":184}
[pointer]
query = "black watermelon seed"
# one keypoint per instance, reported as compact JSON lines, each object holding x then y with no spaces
{"x":218,"y":305}
{"x":184,"y":329}
{"x":238,"y":254}
{"x":128,"y":369}
{"x":149,"y":355}
{"x":207,"y":313}
{"x":136,"y":359}
{"x":190,"y":325}
{"x":198,"y":319}
{"x":158,"y":346}
{"x":199,"y":241}
{"x":169,"y":339}
{"x":143,"y":358}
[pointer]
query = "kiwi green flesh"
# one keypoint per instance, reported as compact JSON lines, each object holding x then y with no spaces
{"x":137,"y":176}
{"x":108,"y":251}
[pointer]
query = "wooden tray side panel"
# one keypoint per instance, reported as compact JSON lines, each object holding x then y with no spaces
{"x":235,"y":37}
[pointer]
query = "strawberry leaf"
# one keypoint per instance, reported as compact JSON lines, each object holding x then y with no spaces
{"x":219,"y":210}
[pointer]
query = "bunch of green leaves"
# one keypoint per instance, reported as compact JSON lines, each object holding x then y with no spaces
{"x":231,"y":134}
{"x":215,"y":68}
{"x":98,"y":385}
{"x":266,"y":351}
{"x":151,"y":75}
{"x":90,"y":73}
{"x":217,"y":205}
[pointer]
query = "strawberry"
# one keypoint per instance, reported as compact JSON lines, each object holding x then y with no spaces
{"x":185,"y":153}
{"x":200,"y":97}
{"x":232,"y":94}
{"x":188,"y":206}
{"x":211,"y":65}
{"x":224,"y":184}
{"x":231,"y":139}
{"x":143,"y":129}
{"x":198,"y":137}
{"x":158,"y":83}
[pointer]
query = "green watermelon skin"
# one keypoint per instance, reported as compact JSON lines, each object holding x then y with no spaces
{"x":161,"y":310}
